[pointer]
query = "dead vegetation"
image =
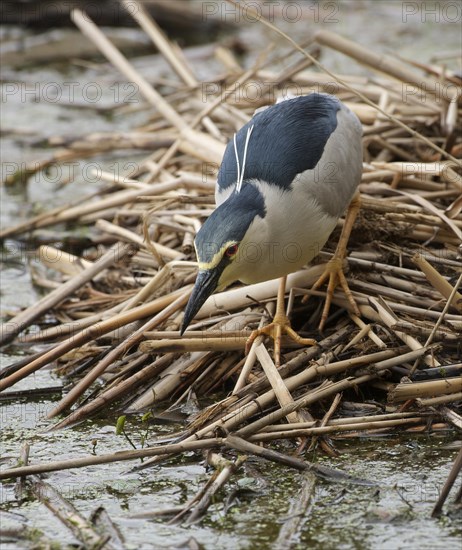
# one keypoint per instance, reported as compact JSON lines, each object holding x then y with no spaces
{"x":118,"y":309}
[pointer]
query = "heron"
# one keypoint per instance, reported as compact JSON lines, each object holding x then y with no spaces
{"x":286,"y":178}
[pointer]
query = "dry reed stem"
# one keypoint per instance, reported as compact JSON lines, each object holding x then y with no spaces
{"x":230,"y":420}
{"x":343,"y":421}
{"x":93,"y":332}
{"x":414,"y":390}
{"x":66,"y":512}
{"x":322,"y":430}
{"x":406,"y":193}
{"x":382,"y":62}
{"x":110,"y":395}
{"x":390,"y":319}
{"x":61,"y":507}
{"x":274,"y":378}
{"x":252,"y":356}
{"x":206,"y":147}
{"x":452,"y":417}
{"x":185,"y":446}
{"x":343,"y":83}
{"x":120,"y":456}
{"x":325,"y":390}
{"x":59,"y":260}
{"x":440,"y":400}
{"x":175,"y":375}
{"x":453,"y":474}
{"x":168,"y":51}
{"x":236,"y":442}
{"x":119,"y":350}
{"x":247,"y":295}
{"x":297,"y":514}
{"x":224,"y":469}
{"x":194,"y":344}
{"x":438,"y":282}
{"x":24,"y":319}
{"x":113,"y":200}
{"x":388,"y":359}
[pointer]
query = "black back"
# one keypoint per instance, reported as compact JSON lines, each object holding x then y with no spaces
{"x":287,"y":139}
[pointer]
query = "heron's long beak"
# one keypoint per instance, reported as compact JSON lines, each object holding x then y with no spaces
{"x":206,"y":283}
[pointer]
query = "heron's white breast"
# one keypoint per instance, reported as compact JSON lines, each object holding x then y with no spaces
{"x":291,"y":234}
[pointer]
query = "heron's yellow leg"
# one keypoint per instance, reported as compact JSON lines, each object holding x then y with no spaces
{"x":334,"y":268}
{"x":279,"y":326}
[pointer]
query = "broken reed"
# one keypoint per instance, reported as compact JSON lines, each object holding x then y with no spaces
{"x":119,"y":315}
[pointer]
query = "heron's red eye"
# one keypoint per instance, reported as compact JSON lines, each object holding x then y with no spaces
{"x":231,"y":250}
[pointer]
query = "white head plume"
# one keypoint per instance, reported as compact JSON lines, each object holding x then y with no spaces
{"x":240,"y":174}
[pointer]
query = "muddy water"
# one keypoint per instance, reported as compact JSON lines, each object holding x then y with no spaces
{"x":409,"y":470}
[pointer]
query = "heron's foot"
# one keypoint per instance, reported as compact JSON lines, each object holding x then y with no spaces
{"x":334,"y":273}
{"x":275,"y":330}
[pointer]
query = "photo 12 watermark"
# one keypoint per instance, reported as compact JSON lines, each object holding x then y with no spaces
{"x":91,"y":172}
{"x":436,"y":92}
{"x":432,"y":12}
{"x":267,"y":91}
{"x":288,"y":12}
{"x":71,"y":92}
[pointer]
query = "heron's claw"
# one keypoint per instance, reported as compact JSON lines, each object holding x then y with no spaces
{"x":280,"y":325}
{"x":334,"y":272}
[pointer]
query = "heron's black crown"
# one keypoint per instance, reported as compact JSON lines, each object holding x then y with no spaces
{"x":287,"y":139}
{"x":230,"y":221}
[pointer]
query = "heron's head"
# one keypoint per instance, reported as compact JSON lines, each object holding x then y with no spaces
{"x":223,"y":243}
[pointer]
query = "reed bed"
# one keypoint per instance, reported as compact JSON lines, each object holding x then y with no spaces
{"x":117,"y":310}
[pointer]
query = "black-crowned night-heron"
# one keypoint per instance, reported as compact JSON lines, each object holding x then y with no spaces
{"x":285,"y":180}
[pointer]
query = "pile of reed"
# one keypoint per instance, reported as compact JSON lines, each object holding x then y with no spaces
{"x":118,"y":310}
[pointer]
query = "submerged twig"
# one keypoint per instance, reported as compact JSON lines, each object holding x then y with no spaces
{"x":122,"y":329}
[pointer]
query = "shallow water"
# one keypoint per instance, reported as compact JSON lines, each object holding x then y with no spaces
{"x":409,"y":469}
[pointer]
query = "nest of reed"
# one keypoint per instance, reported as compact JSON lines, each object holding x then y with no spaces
{"x":111,"y":323}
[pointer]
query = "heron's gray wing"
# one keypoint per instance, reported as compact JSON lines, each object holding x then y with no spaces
{"x":288,"y":138}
